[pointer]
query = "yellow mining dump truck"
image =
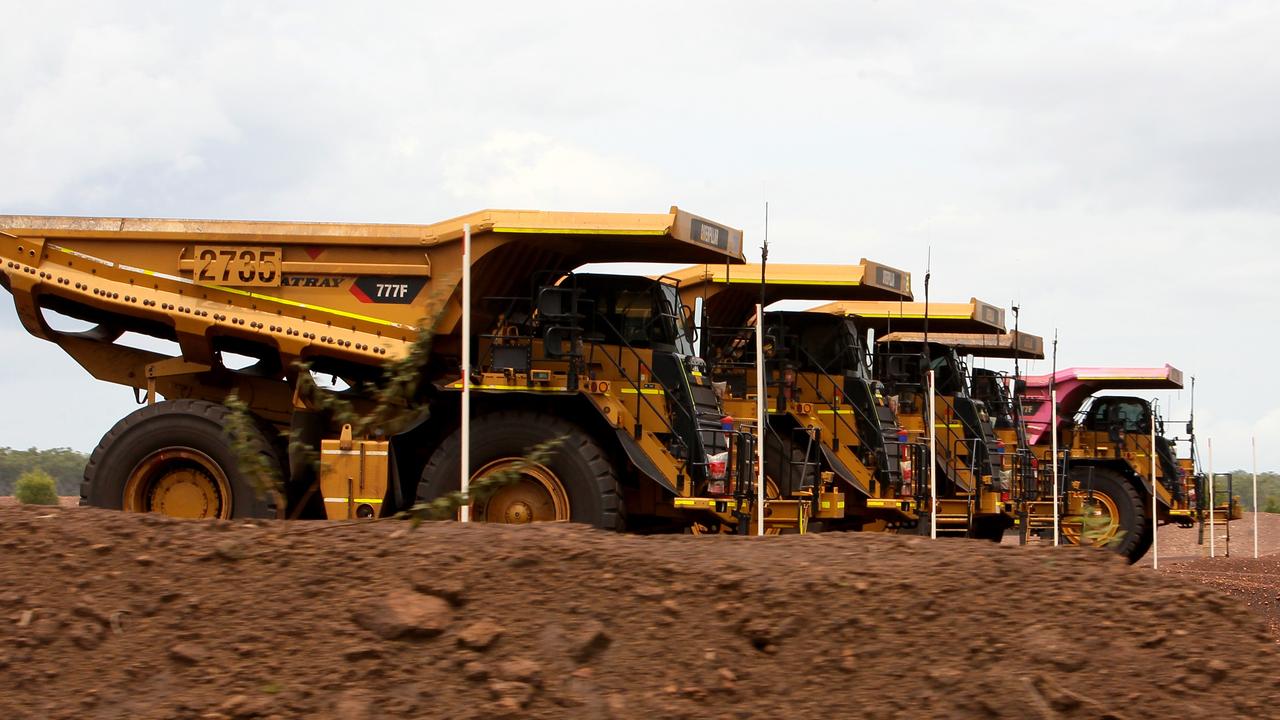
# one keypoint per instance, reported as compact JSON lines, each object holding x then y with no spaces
{"x":603,"y":361}
{"x":996,"y":395}
{"x":829,"y":433}
{"x":1106,"y":457}
{"x":970,"y":483}
{"x":825,"y":378}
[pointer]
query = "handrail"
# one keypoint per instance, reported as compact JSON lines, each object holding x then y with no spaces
{"x":687,"y":412}
{"x":640,"y":396}
{"x":839,"y":390}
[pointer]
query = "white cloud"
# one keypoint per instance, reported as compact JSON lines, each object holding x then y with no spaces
{"x":532,"y":170}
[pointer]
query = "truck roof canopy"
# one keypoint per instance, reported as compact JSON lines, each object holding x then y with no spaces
{"x":731,"y":293}
{"x":1076,"y":385}
{"x":1114,"y":378}
{"x":974,"y":316}
{"x":1006,"y":345}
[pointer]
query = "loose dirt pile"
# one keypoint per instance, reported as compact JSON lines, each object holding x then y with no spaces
{"x":1254,"y":583}
{"x":107,"y":615}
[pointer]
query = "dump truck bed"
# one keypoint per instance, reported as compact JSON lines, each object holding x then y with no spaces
{"x":730,"y":293}
{"x":363,"y":278}
{"x":353,"y":293}
{"x":885,"y":317}
{"x":1006,"y":345}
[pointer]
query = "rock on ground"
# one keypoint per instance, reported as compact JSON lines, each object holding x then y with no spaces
{"x":366,"y":620}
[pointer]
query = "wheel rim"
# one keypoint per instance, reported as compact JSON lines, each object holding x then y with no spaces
{"x":179,"y":482}
{"x":1097,"y":525}
{"x":537,"y":496}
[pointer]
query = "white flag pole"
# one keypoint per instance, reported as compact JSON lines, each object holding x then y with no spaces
{"x":761,"y":409}
{"x":933,"y":460}
{"x":1255,"y":497}
{"x":1212,"y":500}
{"x":464,"y":513}
{"x":1053,"y":424}
{"x":1155,"y":502}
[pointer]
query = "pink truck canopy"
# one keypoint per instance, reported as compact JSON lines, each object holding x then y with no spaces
{"x":1076,"y":385}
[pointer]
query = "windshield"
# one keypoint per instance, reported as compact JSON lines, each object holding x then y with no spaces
{"x":1123,"y":413}
{"x":828,"y":347}
{"x":634,"y":311}
{"x":948,"y":371}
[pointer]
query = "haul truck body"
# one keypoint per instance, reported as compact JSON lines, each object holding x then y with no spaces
{"x":826,"y":430}
{"x":968,"y":466}
{"x":603,"y":361}
{"x":1106,"y":456}
{"x":876,"y":453}
{"x":999,"y":394}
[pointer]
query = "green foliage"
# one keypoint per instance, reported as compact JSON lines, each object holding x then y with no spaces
{"x":243,"y":431}
{"x":36,"y":487}
{"x":1242,"y":486}
{"x":393,"y":405}
{"x":446,"y":506}
{"x":66,"y":466}
{"x":395,"y":400}
{"x":1095,"y":525}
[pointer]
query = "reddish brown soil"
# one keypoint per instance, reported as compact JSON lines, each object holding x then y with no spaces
{"x":64,"y":501}
{"x":1254,"y":583}
{"x":107,"y":615}
{"x":1176,"y":542}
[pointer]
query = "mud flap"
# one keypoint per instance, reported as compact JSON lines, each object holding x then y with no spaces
{"x":642,"y":462}
{"x":842,"y":471}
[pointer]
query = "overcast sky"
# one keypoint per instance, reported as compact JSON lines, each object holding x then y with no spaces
{"x":1112,"y":167}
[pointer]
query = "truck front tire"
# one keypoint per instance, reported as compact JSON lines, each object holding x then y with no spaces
{"x":176,"y":458}
{"x":1115,"y":498}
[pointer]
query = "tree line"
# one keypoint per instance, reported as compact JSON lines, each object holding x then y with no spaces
{"x":1242,"y":487}
{"x":65,"y":465}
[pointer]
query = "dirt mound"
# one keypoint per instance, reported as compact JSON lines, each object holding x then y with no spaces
{"x":124,"y":616}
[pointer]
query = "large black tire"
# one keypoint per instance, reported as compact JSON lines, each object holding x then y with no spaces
{"x":1128,"y":502}
{"x":582,"y":467}
{"x":179,"y":425}
{"x":990,"y":528}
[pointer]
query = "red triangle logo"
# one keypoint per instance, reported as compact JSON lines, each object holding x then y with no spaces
{"x":313,"y":252}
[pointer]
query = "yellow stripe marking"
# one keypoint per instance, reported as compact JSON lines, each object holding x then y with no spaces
{"x":533,"y":388}
{"x":913,"y":316}
{"x":694,"y":502}
{"x":578,"y":231}
{"x":771,"y":281}
{"x":243,"y":293}
{"x":367,"y":501}
{"x":306,"y":306}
